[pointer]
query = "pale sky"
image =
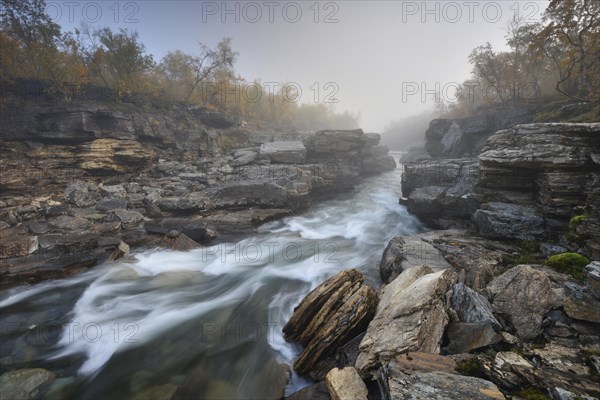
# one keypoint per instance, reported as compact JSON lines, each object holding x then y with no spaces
{"x":376,"y":57}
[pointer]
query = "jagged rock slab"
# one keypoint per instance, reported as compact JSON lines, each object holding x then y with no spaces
{"x":328,"y":317}
{"x":411,"y":316}
{"x":471,"y":306}
{"x":466,"y":336}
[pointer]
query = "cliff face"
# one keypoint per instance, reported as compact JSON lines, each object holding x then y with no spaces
{"x":528,"y":183}
{"x":81,"y":181}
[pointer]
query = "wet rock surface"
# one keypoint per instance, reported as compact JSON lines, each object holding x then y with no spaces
{"x":329,"y":317}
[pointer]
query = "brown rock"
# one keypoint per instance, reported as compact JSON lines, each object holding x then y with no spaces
{"x":345,"y":384}
{"x":328,"y":317}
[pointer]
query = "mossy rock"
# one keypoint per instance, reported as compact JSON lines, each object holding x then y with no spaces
{"x":568,"y":263}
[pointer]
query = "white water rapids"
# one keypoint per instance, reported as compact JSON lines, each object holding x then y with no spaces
{"x":214,"y":314}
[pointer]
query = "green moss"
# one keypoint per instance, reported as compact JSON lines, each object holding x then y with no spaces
{"x":576,"y":220}
{"x":470,"y":367}
{"x":532,"y":394}
{"x":568,"y":263}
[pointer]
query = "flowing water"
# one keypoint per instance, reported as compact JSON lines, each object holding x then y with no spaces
{"x":208,"y":320}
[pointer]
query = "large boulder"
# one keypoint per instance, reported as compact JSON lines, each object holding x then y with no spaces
{"x":520,"y":298}
{"x":411,"y":316}
{"x":509,"y":221}
{"x":328,"y":317}
{"x":284,"y":152}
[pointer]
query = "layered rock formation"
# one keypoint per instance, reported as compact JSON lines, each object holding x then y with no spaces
{"x":527,"y":183}
{"x":79,"y":179}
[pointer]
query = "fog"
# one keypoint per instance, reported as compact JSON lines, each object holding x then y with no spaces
{"x":380,"y":58}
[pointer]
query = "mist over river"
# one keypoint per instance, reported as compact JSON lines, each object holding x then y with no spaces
{"x":208,"y":320}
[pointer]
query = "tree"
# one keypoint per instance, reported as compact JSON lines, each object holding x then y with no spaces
{"x":32,"y":36}
{"x":571,"y":39}
{"x":185,"y":72}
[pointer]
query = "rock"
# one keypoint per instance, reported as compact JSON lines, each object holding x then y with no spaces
{"x":25,"y":384}
{"x":121,"y":251}
{"x":345,"y":384}
{"x":509,"y":221}
{"x":479,"y":259}
{"x":592,"y":277}
{"x":520,"y":298}
{"x":540,"y":146}
{"x":115,"y":156}
{"x":403,"y":252}
{"x":82,"y":194}
{"x":582,"y":302}
{"x":12,"y":246}
{"x":69,"y":224}
{"x":336,"y":142}
{"x":411,"y":316}
{"x":466,"y":336}
{"x":290,"y":152}
{"x":243,"y":157}
{"x":114,"y":191}
{"x":562,"y":394}
{"x":216,"y":119}
{"x":328,"y":317}
{"x":415,"y":361}
{"x":318,"y":391}
{"x":111,"y":204}
{"x":510,"y":371}
{"x":172,"y":234}
{"x":471,"y":306}
{"x":440,"y":386}
{"x":129,"y":218}
{"x":180,"y":242}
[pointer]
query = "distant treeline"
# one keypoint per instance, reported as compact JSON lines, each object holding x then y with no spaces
{"x":33,"y":48}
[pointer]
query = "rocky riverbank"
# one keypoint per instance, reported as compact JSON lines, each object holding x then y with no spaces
{"x":502,"y":302}
{"x":83,"y":183}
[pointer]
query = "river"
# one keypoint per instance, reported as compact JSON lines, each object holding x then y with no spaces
{"x":208,"y":320}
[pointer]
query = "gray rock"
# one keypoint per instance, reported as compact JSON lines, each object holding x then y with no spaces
{"x":403,"y":252}
{"x":466,"y":336}
{"x":581,"y":302}
{"x":25,"y":384}
{"x":411,"y":316}
{"x":129,"y":218}
{"x":284,"y":152}
{"x":82,"y":194}
{"x":441,"y":386}
{"x":520,"y":298}
{"x":471,"y":306}
{"x":509,"y":221}
{"x":111,"y":204}
{"x":70,"y":224}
